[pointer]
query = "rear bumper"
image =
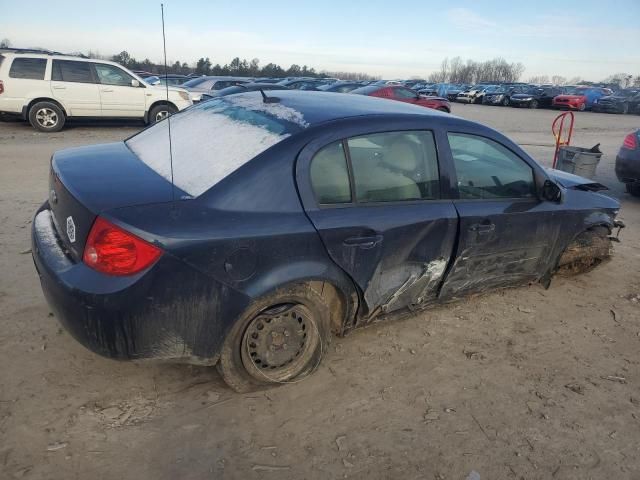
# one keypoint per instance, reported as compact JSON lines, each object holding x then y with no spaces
{"x":607,"y":108}
{"x":165,"y":312}
{"x":628,"y":166}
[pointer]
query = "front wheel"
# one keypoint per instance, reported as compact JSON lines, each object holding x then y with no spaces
{"x":160,"y":112}
{"x":582,"y":107}
{"x":533,"y":104}
{"x":46,"y":117}
{"x":280,"y":339}
{"x":625,"y":108}
{"x":505,"y":102}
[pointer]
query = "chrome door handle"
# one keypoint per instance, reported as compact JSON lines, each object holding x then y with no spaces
{"x":482,"y":228}
{"x":107,"y":90}
{"x":59,"y":87}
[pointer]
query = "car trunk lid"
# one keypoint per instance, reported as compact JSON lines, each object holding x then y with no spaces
{"x":87,"y":181}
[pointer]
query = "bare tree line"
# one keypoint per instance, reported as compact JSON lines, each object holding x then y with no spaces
{"x":457,"y":70}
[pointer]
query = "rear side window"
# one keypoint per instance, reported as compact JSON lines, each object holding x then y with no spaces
{"x":70,"y":71}
{"x":486,"y":169}
{"x":330,"y":176}
{"x":28,"y":68}
{"x":395,"y":166}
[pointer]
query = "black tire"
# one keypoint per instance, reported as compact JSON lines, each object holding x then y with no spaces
{"x":505,"y":102}
{"x":47,"y":117}
{"x":237,"y":365}
{"x":160,"y":112}
{"x":533,"y":104}
{"x":625,"y":108}
{"x":443,"y":109}
{"x":633,"y":189}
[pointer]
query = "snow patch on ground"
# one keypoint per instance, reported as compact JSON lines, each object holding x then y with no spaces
{"x":207,"y":146}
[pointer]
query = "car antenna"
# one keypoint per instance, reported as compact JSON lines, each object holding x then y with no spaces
{"x":166,"y":84}
{"x":266,"y":99}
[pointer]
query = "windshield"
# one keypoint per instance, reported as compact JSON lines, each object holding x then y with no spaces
{"x":575,"y":91}
{"x":212,"y":140}
{"x":194,"y":82}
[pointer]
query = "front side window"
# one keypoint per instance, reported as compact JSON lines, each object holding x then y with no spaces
{"x":394,"y":166}
{"x":71,"y":71}
{"x":28,"y":68}
{"x":403,"y":93}
{"x":486,"y":169}
{"x":330,"y":176}
{"x":111,"y":75}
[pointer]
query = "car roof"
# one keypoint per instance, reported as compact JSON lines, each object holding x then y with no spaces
{"x":54,"y":56}
{"x":319,"y":107}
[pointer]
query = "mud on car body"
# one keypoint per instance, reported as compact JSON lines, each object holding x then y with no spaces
{"x":288,"y":221}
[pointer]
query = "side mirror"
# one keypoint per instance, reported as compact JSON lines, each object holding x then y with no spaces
{"x":551,"y":192}
{"x":135,"y":83}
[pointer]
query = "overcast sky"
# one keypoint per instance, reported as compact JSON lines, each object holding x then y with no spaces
{"x":590,"y":39}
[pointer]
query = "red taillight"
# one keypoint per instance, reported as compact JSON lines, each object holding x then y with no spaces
{"x":630,"y":141}
{"x":1,"y":87}
{"x":114,"y":251}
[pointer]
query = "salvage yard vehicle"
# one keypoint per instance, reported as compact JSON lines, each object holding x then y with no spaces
{"x":535,"y":97}
{"x":243,"y":87}
{"x":624,"y":101}
{"x":403,"y":94}
{"x":206,"y":84}
{"x":473,"y":94}
{"x":501,"y":94}
{"x":307,"y":214}
{"x":628,"y":163}
{"x":340,"y":87}
{"x":46,"y":89}
{"x":579,"y":98}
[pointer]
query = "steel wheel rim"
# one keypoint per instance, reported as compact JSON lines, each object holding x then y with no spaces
{"x":46,"y":117}
{"x":279,"y":343}
{"x":161,"y":115}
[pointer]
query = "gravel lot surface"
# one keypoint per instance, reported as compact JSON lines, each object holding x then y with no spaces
{"x":524,"y":383}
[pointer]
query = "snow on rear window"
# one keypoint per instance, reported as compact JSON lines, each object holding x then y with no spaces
{"x":212,"y":140}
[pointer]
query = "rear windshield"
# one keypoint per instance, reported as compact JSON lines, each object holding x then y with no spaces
{"x":212,"y":140}
{"x":28,"y":68}
{"x":366,"y":90}
{"x":195,"y":82}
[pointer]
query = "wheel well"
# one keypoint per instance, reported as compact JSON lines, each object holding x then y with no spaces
{"x":43,"y":99}
{"x":157,"y":104}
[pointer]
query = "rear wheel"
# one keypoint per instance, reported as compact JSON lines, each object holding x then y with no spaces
{"x":160,"y":112}
{"x":633,"y":189}
{"x":46,"y":117}
{"x":280,"y":339}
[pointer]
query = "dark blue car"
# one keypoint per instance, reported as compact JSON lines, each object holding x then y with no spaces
{"x":269,"y":224}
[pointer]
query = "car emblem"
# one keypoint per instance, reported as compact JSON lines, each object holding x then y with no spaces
{"x":71,"y":229}
{"x":53,"y":198}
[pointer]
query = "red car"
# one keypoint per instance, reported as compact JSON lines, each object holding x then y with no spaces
{"x":403,"y":94}
{"x":580,"y":98}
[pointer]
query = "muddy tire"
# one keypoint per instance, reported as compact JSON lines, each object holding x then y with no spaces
{"x":585,"y":252}
{"x":279,"y":339}
{"x":46,"y":117}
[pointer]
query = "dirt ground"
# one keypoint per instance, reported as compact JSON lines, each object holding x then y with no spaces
{"x":525,"y":383}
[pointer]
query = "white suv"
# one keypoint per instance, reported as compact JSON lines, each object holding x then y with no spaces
{"x":46,"y":89}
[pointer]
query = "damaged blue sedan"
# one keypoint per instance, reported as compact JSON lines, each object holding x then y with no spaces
{"x":246,"y":231}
